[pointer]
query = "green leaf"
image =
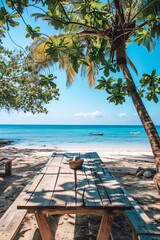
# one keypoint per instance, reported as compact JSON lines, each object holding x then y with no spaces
{"x":2,"y":22}
{"x":97,"y":4}
{"x":119,"y":81}
{"x":15,"y":15}
{"x":106,"y":72}
{"x":155,"y":98}
{"x":153,"y":73}
{"x":13,"y":23}
{"x":100,"y":87}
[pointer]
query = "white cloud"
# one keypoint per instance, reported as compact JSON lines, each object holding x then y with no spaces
{"x":122,"y":115}
{"x":89,"y":114}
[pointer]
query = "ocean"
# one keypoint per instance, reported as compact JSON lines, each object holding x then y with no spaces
{"x":92,"y":137}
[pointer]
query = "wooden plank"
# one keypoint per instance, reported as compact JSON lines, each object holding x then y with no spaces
{"x":57,"y":160}
{"x":107,"y":185}
{"x":148,"y":237}
{"x":76,"y":180}
{"x":91,"y":194}
{"x":138,"y":223}
{"x":48,"y":187}
{"x":34,"y":185}
{"x":70,"y":189}
{"x":66,"y":180}
{"x":43,"y":192}
{"x":30,"y":191}
{"x":82,"y":184}
{"x":87,"y":191}
{"x":113,"y":188}
{"x":138,"y":219}
{"x":61,"y":196}
{"x":12,"y":218}
{"x":98,"y":184}
{"x":95,"y":158}
{"x":66,"y":184}
{"x":101,"y":189}
{"x":77,"y":210}
{"x":50,"y":182}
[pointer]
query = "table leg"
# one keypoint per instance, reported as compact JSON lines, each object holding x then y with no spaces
{"x":8,"y":168}
{"x":134,"y":235}
{"x":105,"y":227}
{"x":44,"y":226}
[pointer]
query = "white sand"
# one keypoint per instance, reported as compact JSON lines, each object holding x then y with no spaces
{"x":123,"y":165}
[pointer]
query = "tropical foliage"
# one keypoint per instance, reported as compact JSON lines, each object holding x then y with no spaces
{"x":22,"y":87}
{"x":92,"y":35}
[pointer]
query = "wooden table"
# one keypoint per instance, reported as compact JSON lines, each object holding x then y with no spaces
{"x":60,"y":190}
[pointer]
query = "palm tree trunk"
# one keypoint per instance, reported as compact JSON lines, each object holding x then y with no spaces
{"x":119,"y":43}
{"x":144,"y":116}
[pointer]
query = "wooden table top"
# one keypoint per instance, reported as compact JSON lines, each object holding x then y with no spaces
{"x":59,"y":187}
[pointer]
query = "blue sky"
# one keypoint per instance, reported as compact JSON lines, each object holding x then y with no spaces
{"x":80,"y":104}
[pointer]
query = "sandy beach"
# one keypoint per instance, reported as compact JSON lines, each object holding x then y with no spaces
{"x":123,"y":165}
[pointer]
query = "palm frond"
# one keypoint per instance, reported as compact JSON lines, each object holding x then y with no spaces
{"x":38,"y":49}
{"x":151,"y":7}
{"x":146,"y":8}
{"x":91,"y":73}
{"x":131,"y":64}
{"x":70,"y":74}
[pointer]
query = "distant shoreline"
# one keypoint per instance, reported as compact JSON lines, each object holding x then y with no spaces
{"x":81,"y":148}
{"x":50,"y":124}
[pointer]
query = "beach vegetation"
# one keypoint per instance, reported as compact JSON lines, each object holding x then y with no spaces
{"x":92,"y":37}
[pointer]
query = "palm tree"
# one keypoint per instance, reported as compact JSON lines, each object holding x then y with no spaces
{"x":94,"y":32}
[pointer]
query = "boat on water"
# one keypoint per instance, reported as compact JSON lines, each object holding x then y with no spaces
{"x":134,"y":133}
{"x":96,"y":134}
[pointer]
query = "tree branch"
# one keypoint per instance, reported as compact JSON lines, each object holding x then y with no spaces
{"x":119,"y":12}
{"x":68,"y":23}
{"x":104,"y":34}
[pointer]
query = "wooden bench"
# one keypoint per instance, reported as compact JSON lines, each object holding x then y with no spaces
{"x":11,"y":220}
{"x":142,"y":226}
{"x":7,"y":161}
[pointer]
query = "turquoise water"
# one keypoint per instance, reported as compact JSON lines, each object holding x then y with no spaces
{"x":77,"y":136}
